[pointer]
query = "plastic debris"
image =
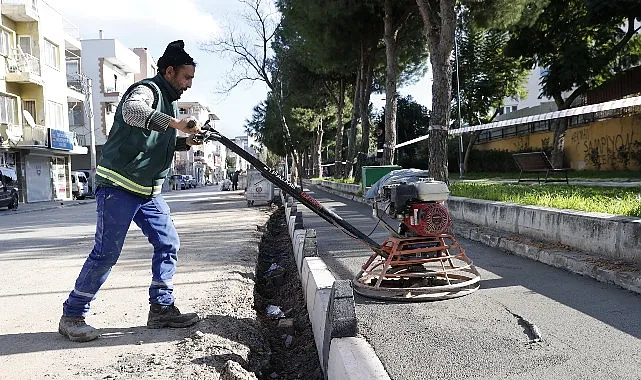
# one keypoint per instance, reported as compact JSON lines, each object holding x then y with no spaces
{"x":273,"y":268}
{"x":274,"y":312}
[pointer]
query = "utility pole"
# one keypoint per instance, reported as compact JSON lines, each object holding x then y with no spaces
{"x":92,"y":132}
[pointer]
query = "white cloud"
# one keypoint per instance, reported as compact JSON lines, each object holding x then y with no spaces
{"x":183,"y":18}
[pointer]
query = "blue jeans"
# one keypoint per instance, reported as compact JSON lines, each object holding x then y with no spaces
{"x":116,"y":209}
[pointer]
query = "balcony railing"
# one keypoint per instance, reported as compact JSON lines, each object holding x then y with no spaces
{"x":34,"y":136}
{"x":76,"y":82}
{"x":115,"y":89}
{"x":82,"y":139}
{"x":24,"y":63}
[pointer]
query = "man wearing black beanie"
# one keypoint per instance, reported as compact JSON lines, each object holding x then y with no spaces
{"x":135,"y":161}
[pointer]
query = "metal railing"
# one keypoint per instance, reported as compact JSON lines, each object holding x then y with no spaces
{"x":36,"y":135}
{"x":76,"y":82}
{"x":24,"y":63}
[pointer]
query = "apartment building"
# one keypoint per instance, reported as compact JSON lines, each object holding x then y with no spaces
{"x":35,"y":137}
{"x":243,"y":142}
{"x":111,"y":68}
{"x":206,"y":162}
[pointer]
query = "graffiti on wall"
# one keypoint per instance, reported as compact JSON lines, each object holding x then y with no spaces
{"x":616,"y":151}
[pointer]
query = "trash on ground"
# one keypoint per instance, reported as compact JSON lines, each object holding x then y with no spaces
{"x":274,"y":312}
{"x":286,"y":323}
{"x":273,"y":268}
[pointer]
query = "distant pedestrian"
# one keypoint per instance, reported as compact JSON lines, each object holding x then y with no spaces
{"x":234,"y":180}
{"x":135,"y":161}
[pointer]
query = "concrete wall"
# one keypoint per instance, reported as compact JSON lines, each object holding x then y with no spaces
{"x":614,"y":236}
{"x":603,"y":145}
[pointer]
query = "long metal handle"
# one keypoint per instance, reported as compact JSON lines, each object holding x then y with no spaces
{"x":294,"y":191}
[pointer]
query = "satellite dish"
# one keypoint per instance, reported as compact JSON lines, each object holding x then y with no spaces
{"x":29,"y":118}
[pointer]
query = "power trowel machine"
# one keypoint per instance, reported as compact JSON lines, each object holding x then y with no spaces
{"x":421,"y":260}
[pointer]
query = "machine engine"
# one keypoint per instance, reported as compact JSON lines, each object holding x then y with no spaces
{"x":418,"y":208}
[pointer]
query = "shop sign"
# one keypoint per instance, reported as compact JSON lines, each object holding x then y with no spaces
{"x":60,"y":139}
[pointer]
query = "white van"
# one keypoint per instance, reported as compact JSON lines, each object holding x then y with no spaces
{"x":79,"y":185}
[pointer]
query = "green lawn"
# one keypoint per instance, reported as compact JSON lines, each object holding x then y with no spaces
{"x":606,"y":199}
{"x":618,"y":200}
{"x":572,"y":174}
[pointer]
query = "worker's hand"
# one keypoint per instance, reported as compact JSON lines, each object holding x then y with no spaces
{"x":194,"y":140}
{"x":188,"y":125}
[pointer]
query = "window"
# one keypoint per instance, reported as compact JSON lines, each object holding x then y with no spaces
{"x":29,"y":106}
{"x":24,"y":42}
{"x":8,"y":110}
{"x":54,"y":114}
{"x":5,"y":42}
{"x":76,"y":116}
{"x":51,"y":55}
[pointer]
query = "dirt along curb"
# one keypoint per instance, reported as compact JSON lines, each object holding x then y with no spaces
{"x":281,"y":309}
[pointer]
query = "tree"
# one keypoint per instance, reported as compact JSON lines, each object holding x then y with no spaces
{"x":321,"y":35}
{"x":439,"y":19}
{"x":252,"y":61}
{"x":579,"y":44}
{"x":396,"y":15}
{"x":413,"y":120}
{"x":486,"y":74}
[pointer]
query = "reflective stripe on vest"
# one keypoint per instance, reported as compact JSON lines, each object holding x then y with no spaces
{"x":126,"y":183}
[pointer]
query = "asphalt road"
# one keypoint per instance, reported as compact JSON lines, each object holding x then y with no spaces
{"x":589,"y":330}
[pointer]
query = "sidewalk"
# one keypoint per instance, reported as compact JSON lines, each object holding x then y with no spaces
{"x":480,"y":336}
{"x":47,"y":205}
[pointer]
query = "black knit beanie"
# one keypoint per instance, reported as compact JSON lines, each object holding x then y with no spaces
{"x":174,"y":55}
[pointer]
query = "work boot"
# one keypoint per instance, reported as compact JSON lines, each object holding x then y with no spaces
{"x":76,"y":329}
{"x":169,"y":316}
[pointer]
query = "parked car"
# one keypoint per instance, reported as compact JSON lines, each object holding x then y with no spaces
{"x":8,"y":188}
{"x":191,"y":181}
{"x":89,"y":182}
{"x":79,"y":185}
{"x":179,"y":182}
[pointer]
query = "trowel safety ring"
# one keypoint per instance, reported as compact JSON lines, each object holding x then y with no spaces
{"x":427,"y":268}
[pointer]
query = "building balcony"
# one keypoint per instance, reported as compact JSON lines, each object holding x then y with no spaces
{"x":20,"y":10}
{"x":76,"y":82}
{"x":199,"y":156}
{"x":10,"y":133}
{"x":24,"y":68}
{"x":36,"y":135}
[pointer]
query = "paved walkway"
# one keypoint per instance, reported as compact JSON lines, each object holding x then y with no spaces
{"x":47,"y":205}
{"x":485,"y":335}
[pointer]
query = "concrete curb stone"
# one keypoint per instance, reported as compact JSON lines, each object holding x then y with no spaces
{"x":331,"y":309}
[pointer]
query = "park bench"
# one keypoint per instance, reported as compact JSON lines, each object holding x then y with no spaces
{"x":538,"y":162}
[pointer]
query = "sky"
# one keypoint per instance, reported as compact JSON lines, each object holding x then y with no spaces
{"x":152,"y":24}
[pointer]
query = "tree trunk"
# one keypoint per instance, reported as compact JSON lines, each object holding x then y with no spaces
{"x":367,"y":92}
{"x":338,"y":153}
{"x":439,"y":26}
{"x":317,"y":171}
{"x":470,"y":144}
{"x":391,"y":101}
{"x":559,"y":126}
{"x":365,"y":122}
{"x":351,"y":143}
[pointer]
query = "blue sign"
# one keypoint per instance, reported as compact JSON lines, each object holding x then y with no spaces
{"x":60,"y":139}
